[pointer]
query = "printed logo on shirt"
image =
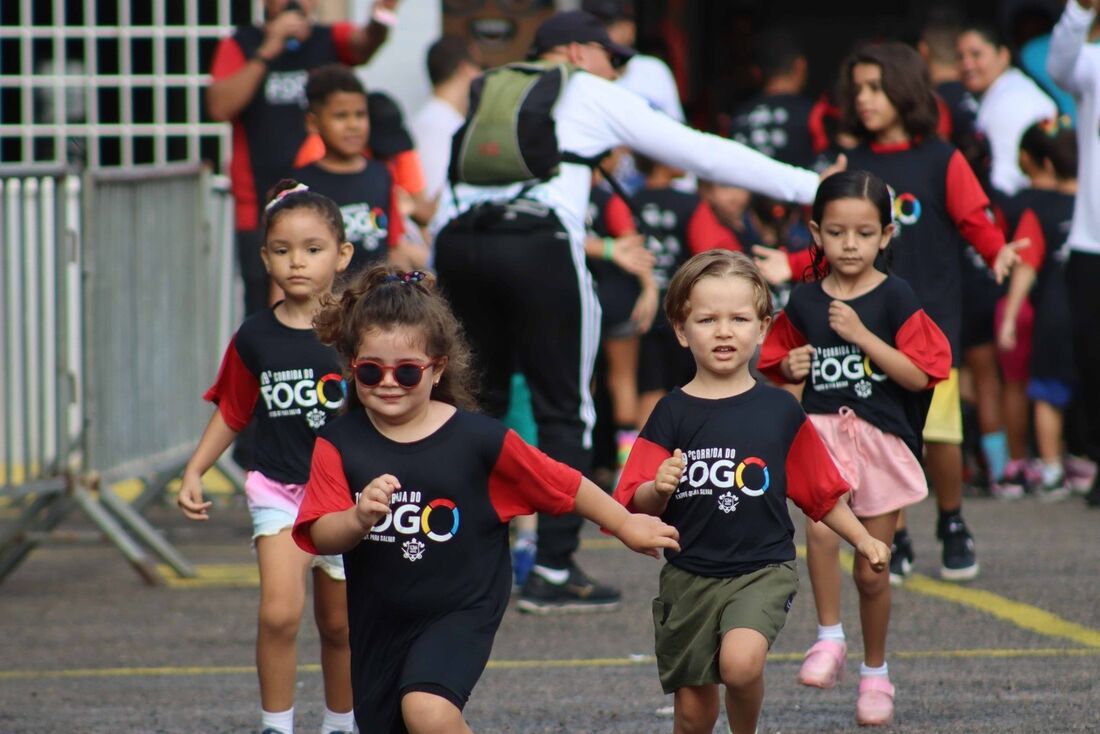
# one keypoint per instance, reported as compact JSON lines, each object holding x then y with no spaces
{"x":766,"y":132}
{"x":712,"y":469}
{"x":907,"y":209}
{"x":438,"y":521}
{"x":365,"y":225}
{"x":286,"y":88}
{"x":666,"y":250}
{"x":296,"y":392}
{"x":841,"y":367}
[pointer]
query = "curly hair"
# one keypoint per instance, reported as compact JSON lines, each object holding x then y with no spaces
{"x":383,"y":298}
{"x":905,"y":81}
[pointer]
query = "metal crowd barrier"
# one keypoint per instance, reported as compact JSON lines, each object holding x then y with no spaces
{"x":118,"y":294}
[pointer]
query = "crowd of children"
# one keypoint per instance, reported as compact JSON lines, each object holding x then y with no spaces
{"x":910,"y":287}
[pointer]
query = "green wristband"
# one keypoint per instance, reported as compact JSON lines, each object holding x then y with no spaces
{"x":608,"y":247}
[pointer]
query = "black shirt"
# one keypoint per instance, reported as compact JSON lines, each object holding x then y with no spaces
{"x":777,"y":125}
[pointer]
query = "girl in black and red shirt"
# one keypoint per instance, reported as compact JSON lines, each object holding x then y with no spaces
{"x":718,"y":459}
{"x":867,"y":353}
{"x":276,"y":371}
{"x":416,"y":491}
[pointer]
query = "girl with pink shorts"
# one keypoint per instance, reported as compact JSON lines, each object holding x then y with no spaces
{"x":869,"y":355}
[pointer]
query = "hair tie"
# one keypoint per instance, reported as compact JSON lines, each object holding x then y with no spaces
{"x":414,"y":276}
{"x":285,"y":193}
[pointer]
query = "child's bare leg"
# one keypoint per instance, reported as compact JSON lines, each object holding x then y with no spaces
{"x":874,"y":593}
{"x":696,"y":710}
{"x":1048,"y":431}
{"x":282,"y":600}
{"x":741,"y":666}
{"x":1016,"y":407}
{"x":427,"y":713}
{"x":622,"y":378}
{"x":330,"y":611}
{"x":944,"y":464}
{"x":822,"y":559}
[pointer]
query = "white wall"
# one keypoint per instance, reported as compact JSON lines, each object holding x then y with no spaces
{"x":400,"y":68}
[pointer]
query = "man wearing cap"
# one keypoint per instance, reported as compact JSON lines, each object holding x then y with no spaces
{"x":511,"y":259}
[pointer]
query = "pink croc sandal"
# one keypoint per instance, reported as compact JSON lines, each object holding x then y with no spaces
{"x":875,"y":706}
{"x":823,"y":665}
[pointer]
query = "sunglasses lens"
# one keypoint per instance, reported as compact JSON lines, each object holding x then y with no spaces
{"x":369,"y":374}
{"x":407,"y":375}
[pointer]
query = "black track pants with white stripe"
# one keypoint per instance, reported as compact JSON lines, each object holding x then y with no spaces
{"x":527,"y":302}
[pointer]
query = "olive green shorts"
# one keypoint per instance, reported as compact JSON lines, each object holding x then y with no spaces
{"x":692,"y":613}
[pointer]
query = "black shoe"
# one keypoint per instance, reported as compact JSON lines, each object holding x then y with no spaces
{"x":901,"y":559}
{"x":960,"y":563}
{"x":1092,"y":499}
{"x":577,"y":595}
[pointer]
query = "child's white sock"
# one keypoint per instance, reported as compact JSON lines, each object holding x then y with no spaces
{"x":280,"y":721}
{"x":881,"y":672}
{"x":833,"y":632}
{"x":1051,"y":472}
{"x":334,"y":722}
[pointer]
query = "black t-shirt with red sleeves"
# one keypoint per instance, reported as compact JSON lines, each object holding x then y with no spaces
{"x":443,"y":550}
{"x":368,"y":203}
{"x":290,"y":381}
{"x":939,"y":202}
{"x":746,"y":456}
{"x":841,"y":375}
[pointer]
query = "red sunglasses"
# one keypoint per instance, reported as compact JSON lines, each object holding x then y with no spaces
{"x":407,"y":374}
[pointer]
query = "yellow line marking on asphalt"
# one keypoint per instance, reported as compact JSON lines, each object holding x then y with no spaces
{"x":632,"y":660}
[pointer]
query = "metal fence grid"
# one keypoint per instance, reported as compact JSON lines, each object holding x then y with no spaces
{"x":111,"y":84}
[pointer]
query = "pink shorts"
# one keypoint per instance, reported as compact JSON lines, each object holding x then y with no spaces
{"x":1014,"y":364}
{"x":880,"y":468}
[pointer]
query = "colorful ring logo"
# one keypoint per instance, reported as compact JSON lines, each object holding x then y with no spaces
{"x":425,"y":523}
{"x":739,"y":477}
{"x":324,"y":399}
{"x":876,"y":376}
{"x":907,"y":209}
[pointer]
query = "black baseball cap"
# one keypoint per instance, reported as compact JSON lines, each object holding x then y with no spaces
{"x":609,"y":10}
{"x":576,"y":26}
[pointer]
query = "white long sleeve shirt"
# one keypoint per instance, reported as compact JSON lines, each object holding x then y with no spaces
{"x":594,"y":115}
{"x":1011,"y":105}
{"x":1075,"y":67}
{"x":432,"y":129}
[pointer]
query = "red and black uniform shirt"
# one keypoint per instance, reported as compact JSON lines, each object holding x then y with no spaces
{"x":777,"y":125}
{"x":842,"y":375}
{"x":368,"y":203}
{"x":1045,"y":218}
{"x":444,"y":547}
{"x":269,"y":131}
{"x":745,"y":456}
{"x":937,"y":199}
{"x":289,"y":381}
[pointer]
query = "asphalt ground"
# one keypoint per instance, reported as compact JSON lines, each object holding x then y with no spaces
{"x":86,"y":646}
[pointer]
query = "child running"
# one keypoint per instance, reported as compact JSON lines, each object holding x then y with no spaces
{"x":717,"y":460}
{"x":865,"y":349}
{"x":276,"y":371}
{"x":416,"y":491}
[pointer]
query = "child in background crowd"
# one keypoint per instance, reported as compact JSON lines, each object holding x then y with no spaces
{"x":276,"y":370}
{"x":417,"y":492}
{"x":718,"y":459}
{"x":866,"y":351}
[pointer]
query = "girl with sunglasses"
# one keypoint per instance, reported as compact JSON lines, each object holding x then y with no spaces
{"x":416,"y":491}
{"x":276,"y":372}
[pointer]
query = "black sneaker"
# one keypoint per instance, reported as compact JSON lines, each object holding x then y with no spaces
{"x":577,"y":595}
{"x":901,"y":559}
{"x":960,"y":563}
{"x":1092,"y":499}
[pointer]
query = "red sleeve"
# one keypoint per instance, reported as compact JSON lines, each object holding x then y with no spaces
{"x":1030,"y":227}
{"x":641,"y":467}
{"x":782,"y":338}
{"x":312,"y":150}
{"x":228,"y":59}
{"x":819,"y":136}
{"x":926,"y":346}
{"x":968,"y":207}
{"x":235,"y":390}
{"x":705,"y":232}
{"x":943,"y":125}
{"x":525,"y":480}
{"x":408,"y":171}
{"x":341,"y":38}
{"x":326,"y":492}
{"x":813,"y":482}
{"x":619,"y":219}
{"x":801,"y":263}
{"x":395,"y":220}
